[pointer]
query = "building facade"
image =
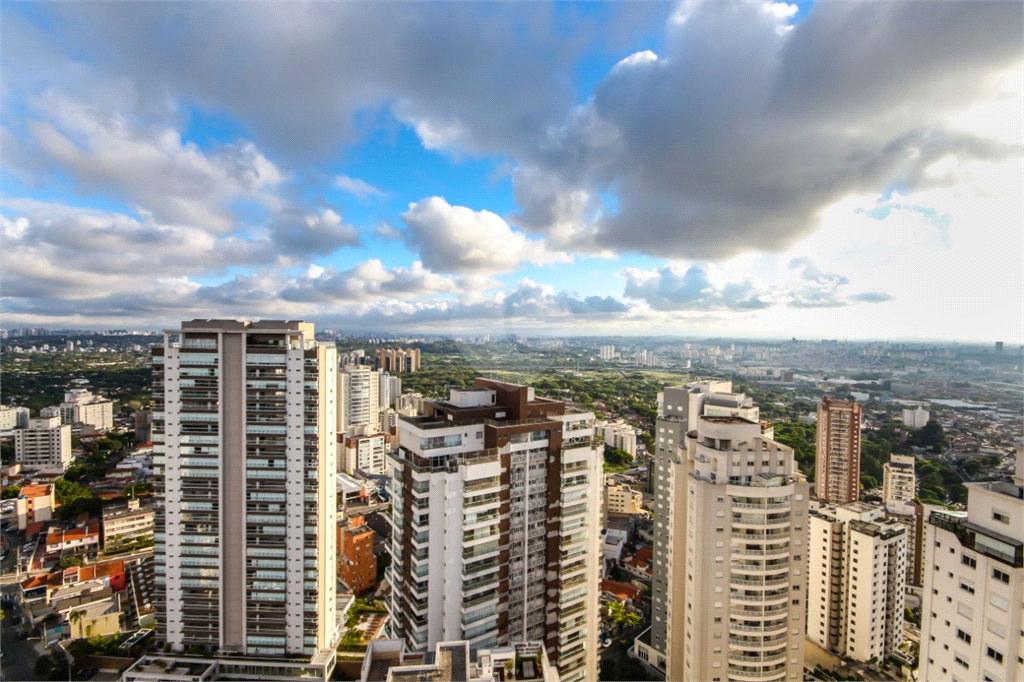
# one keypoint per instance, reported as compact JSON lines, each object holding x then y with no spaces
{"x":365,"y":453}
{"x":357,"y":564}
{"x":731,"y":550}
{"x":358,"y":398}
{"x":398,"y":360}
{"x":496,"y":512}
{"x":44,"y":445}
{"x":82,"y":407}
{"x":899,"y":482}
{"x":617,"y":434}
{"x":13,"y":417}
{"x":244,"y":430}
{"x":127,"y":524}
{"x":621,"y":499}
{"x":916,"y":417}
{"x":856,"y":581}
{"x":678,"y":408}
{"x":972,"y":618}
{"x":837,"y":457}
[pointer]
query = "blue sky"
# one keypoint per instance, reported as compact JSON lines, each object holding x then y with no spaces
{"x":697,"y":168}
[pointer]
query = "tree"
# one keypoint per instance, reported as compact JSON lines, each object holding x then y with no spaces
{"x":622,"y":616}
{"x":69,"y":561}
{"x":9,"y":492}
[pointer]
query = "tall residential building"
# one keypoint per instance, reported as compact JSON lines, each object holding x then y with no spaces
{"x":916,"y":417}
{"x":678,"y":408}
{"x":13,"y":417}
{"x":912,"y":515}
{"x":899,"y":483}
{"x":856,"y":581}
{"x":82,"y":407}
{"x":972,"y":615}
{"x":730,"y":543}
{"x":358,"y":397}
{"x":244,"y":439}
{"x":837,"y":458}
{"x":44,"y":445}
{"x":607,"y":352}
{"x":497,"y":525}
{"x":398,"y":360}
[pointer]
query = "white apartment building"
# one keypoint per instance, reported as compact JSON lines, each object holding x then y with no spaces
{"x":621,"y":499}
{"x":617,"y":434}
{"x":245,"y":439}
{"x":731,"y":547}
{"x":365,"y":452}
{"x":44,"y":445}
{"x":13,"y":417}
{"x":496,"y":514}
{"x":972,"y":618}
{"x":856,"y":583}
{"x":82,"y":407}
{"x":358,"y":397}
{"x":899,"y":482}
{"x":607,"y":352}
{"x":916,"y":417}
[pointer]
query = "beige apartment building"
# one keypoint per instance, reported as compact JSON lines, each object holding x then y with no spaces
{"x":80,"y":406}
{"x":899,"y":482}
{"x":856,"y":582}
{"x":621,"y":499}
{"x":44,"y":445}
{"x":245,"y":440}
{"x":731,"y":550}
{"x":837,"y":458}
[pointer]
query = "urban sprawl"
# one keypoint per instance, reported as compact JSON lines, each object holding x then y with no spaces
{"x":265,"y":500}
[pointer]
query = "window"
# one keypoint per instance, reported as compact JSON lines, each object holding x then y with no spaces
{"x":994,"y":655}
{"x":964,"y":586}
{"x":1000,"y":576}
{"x":961,"y":662}
{"x":1000,"y":517}
{"x":968,"y":561}
{"x":963,"y":635}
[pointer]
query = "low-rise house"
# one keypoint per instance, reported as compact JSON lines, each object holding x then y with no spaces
{"x":620,"y":592}
{"x":78,"y":539}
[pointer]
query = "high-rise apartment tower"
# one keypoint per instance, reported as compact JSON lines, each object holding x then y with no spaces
{"x":244,"y":431}
{"x":837,"y":458}
{"x":497,"y":526}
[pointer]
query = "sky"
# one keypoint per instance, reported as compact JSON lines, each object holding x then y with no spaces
{"x":740,"y":169}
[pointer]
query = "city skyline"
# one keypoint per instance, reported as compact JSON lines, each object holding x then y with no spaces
{"x":838,"y":170}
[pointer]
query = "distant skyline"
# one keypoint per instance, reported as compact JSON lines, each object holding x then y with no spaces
{"x":701,"y":169}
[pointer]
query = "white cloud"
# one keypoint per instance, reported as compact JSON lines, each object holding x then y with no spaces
{"x":461,"y":240}
{"x":360,"y":189}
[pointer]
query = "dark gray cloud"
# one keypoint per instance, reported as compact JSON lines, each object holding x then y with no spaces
{"x":295,"y":74}
{"x":738,"y":136}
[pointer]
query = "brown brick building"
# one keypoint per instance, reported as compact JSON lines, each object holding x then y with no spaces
{"x":357,"y":565}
